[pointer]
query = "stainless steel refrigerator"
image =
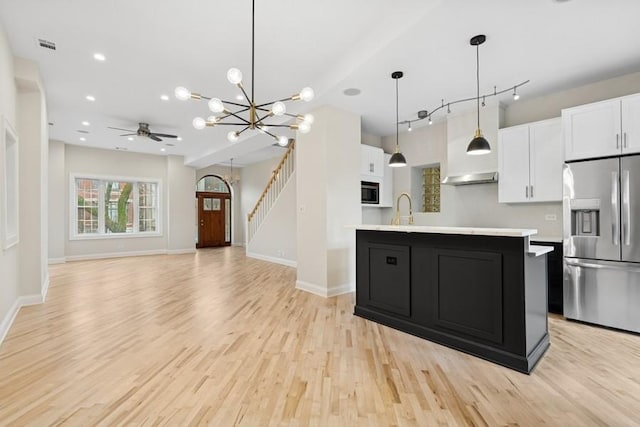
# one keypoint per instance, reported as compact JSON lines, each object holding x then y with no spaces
{"x":601,"y":222}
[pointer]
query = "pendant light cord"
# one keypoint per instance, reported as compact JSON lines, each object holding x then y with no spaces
{"x":397,"y":117}
{"x":478,"y":82}
{"x":253,"y":48}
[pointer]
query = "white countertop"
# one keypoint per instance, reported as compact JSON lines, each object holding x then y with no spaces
{"x":503,"y":232}
{"x":552,"y":239}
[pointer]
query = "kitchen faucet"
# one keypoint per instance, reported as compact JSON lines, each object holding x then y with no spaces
{"x":396,"y":220}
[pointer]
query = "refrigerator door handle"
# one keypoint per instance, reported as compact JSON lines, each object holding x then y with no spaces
{"x":602,"y":265}
{"x":615,"y":213}
{"x":626,"y":211}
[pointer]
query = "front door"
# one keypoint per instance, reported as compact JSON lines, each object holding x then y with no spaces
{"x":213,"y":215}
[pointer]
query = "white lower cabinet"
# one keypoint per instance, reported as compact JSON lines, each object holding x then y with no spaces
{"x":530,"y":159}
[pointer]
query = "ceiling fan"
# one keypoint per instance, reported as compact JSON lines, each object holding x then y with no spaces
{"x":143,"y":130}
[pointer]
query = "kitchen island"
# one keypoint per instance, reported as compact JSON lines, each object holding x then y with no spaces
{"x":479,"y":290}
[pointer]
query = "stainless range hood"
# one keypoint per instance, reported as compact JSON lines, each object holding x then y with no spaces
{"x":472,"y":178}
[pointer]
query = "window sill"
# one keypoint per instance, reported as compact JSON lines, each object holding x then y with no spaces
{"x":113,"y":236}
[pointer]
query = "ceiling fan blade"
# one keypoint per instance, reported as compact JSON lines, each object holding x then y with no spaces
{"x":128,"y":134}
{"x":164,"y":135}
{"x":128,"y":130}
{"x":154,"y":137}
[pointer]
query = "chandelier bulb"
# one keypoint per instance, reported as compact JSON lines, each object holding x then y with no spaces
{"x":212,"y":120}
{"x":307,"y":94}
{"x":232,"y":136}
{"x":278,"y":108}
{"x":234,"y":76}
{"x":215,"y":105}
{"x":182,"y":93}
{"x":199,"y":123}
{"x":283,"y":141}
{"x":304,"y":127}
{"x":309,"y":118}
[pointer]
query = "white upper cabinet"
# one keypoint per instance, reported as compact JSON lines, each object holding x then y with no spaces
{"x":371,"y":161}
{"x":386,"y":189}
{"x":602,"y":129}
{"x":530,"y":161}
{"x":631,"y":124}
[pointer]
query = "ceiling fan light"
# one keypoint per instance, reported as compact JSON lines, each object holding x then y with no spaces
{"x":182,"y":93}
{"x":307,"y":94}
{"x":199,"y":123}
{"x":278,"y":108}
{"x":216,"y":105}
{"x":234,"y":76}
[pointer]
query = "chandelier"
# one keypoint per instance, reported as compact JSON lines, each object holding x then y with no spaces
{"x":250,"y":116}
{"x":231,"y":178}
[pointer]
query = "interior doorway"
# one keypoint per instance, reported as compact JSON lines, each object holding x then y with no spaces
{"x":213,"y":197}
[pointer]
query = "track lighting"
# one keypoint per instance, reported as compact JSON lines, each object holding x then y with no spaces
{"x":515,"y":95}
{"x":430,"y":121}
{"x":410,"y":128}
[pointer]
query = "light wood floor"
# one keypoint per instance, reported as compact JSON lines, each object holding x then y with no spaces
{"x":216,"y":338}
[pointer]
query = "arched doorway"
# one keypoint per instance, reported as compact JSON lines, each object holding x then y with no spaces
{"x":214,"y":212}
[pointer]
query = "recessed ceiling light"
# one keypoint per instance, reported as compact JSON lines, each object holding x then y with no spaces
{"x":170,"y":145}
{"x":163,"y":149}
{"x":352,"y":91}
{"x":164,"y":97}
{"x":85,"y":123}
{"x":82,"y":138}
{"x":179,"y":138}
{"x":130,"y":138}
{"x":90,"y":98}
{"x":240,"y":97}
{"x":99,"y":57}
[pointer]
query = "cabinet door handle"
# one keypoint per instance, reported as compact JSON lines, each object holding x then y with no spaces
{"x":617,"y":140}
{"x":531,"y":191}
{"x":526,"y":191}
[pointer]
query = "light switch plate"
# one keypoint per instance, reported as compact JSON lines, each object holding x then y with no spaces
{"x":550,"y":217}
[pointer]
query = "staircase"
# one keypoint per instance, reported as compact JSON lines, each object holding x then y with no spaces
{"x":267,"y":199}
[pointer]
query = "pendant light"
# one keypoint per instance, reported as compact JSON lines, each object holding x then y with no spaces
{"x":397,"y":160}
{"x":478,"y":145}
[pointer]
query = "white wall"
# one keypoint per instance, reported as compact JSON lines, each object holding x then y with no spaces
{"x":9,"y":291}
{"x":181,"y":224}
{"x":177,"y":197}
{"x":328,"y":200}
{"x":237,"y":218}
{"x":57,"y":202}
{"x":275,"y":240}
{"x":477,"y":205}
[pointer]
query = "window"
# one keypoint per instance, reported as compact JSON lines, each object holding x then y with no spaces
{"x":110,"y":207}
{"x":431,"y":189}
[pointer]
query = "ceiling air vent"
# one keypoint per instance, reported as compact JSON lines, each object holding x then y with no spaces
{"x":47,"y":44}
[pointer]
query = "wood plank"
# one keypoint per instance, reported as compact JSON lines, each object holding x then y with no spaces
{"x":217,"y":338}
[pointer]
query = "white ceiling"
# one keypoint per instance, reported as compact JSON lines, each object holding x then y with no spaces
{"x":330,"y":45}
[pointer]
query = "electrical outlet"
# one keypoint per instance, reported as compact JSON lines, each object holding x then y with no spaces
{"x":550,"y":217}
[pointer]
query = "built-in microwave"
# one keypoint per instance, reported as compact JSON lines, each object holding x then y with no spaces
{"x":370,"y":193}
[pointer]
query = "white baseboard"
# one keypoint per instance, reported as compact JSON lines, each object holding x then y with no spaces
{"x":45,"y":288}
{"x":181,"y":251}
{"x":57,"y":261}
{"x":115,"y":255}
{"x":287,"y":262}
{"x":8,"y":319}
{"x":322,"y":291}
{"x":20,"y":302}
{"x":238,"y":244}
